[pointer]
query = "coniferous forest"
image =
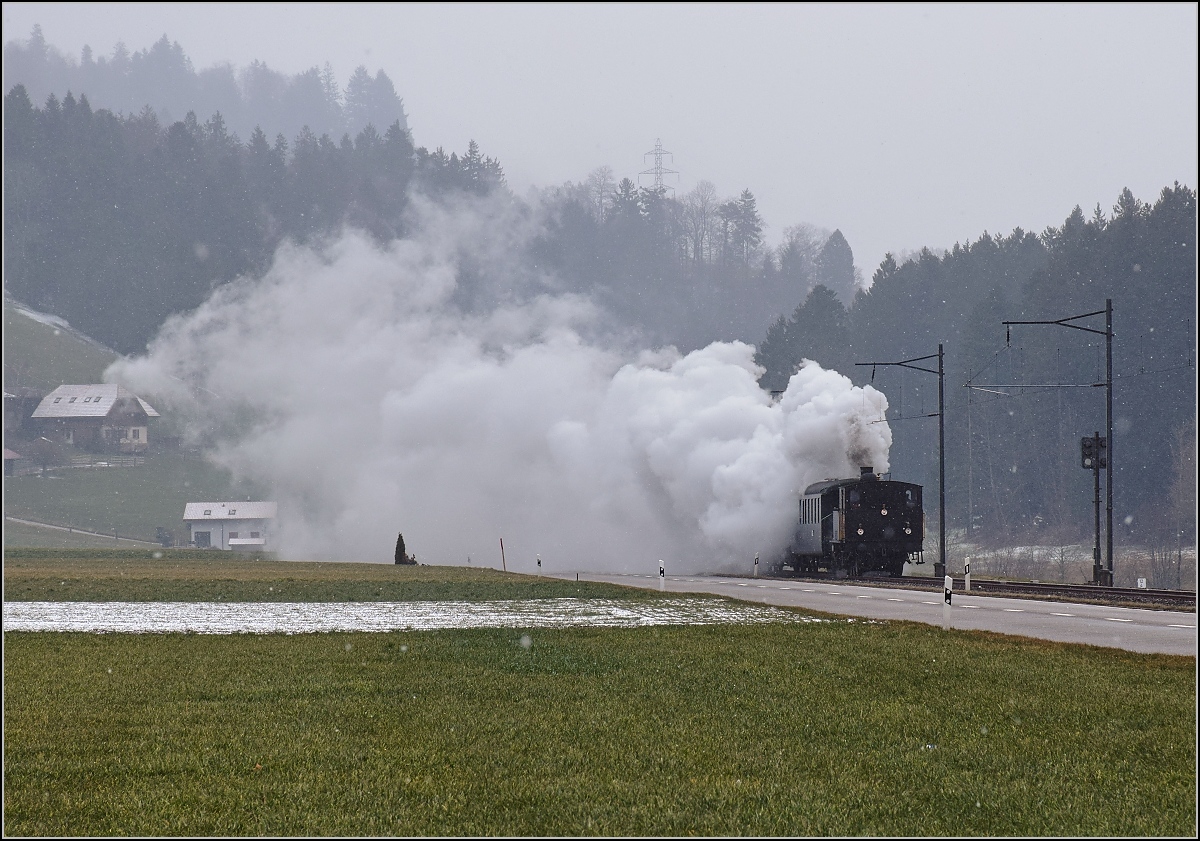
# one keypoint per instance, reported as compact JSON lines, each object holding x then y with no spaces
{"x":134,"y":186}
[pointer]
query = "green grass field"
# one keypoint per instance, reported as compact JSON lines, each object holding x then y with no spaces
{"x":132,"y":500}
{"x":41,"y":356}
{"x":839,"y":728}
{"x":25,"y":535}
{"x":211,"y":575}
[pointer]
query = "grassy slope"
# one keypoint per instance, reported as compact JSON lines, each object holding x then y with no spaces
{"x":813,"y":729}
{"x":21,"y":534}
{"x":40,"y":356}
{"x":134,"y":500}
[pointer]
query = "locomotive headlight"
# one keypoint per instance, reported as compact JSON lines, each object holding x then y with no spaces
{"x":860,"y":531}
{"x":883,"y":512}
{"x":907,"y":530}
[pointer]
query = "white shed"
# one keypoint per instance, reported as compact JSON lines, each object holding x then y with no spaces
{"x":240,"y":526}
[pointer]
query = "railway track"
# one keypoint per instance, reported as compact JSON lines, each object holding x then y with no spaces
{"x":1088,"y":593}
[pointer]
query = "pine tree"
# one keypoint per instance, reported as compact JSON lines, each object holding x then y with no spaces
{"x":747,"y":226}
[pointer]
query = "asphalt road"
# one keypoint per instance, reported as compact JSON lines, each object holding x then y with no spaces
{"x":1132,"y":629}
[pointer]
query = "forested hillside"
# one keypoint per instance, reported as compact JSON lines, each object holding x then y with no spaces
{"x":163,"y":78}
{"x":1012,"y":451}
{"x":114,"y":223}
{"x":116,"y":217}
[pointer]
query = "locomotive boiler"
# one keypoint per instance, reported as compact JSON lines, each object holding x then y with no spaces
{"x":857,"y":526}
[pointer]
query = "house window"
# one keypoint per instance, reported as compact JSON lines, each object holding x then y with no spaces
{"x":137,"y":433}
{"x":57,"y":399}
{"x":72,"y":400}
{"x":87,"y":400}
{"x":232,"y":511}
{"x":207,"y":512}
{"x":254,"y":534}
{"x":233,"y":535}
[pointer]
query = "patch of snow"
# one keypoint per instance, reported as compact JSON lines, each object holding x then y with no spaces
{"x":324,"y":617}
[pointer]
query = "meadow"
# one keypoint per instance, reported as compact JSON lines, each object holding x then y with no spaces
{"x":133,"y":501}
{"x":42,"y":356}
{"x":195,"y":575}
{"x":834,"y":728}
{"x":25,"y":535}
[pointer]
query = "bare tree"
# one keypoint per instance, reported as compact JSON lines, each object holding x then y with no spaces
{"x":1182,"y":514}
{"x":601,"y":186}
{"x":699,"y":220}
{"x":47,"y":453}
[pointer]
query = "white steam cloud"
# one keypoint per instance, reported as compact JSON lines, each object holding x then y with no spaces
{"x":353,"y":381}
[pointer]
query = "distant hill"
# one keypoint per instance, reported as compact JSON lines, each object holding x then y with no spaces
{"x":163,"y":80}
{"x":42,"y":352}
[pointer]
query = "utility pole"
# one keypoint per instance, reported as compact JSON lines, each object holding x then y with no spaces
{"x":939,"y":569}
{"x":1101,"y":576}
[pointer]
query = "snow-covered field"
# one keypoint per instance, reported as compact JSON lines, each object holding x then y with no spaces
{"x":301,"y":618}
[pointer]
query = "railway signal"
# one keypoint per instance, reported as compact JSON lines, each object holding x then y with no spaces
{"x":1093,"y":452}
{"x":1093,"y":456}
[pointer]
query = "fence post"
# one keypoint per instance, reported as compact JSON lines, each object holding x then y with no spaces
{"x":946,"y":605}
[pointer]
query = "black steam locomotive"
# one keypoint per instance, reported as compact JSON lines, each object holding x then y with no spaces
{"x":856,"y":526}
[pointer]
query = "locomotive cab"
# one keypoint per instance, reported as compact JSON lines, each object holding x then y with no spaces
{"x":855,"y":526}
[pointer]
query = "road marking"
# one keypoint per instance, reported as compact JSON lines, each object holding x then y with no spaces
{"x":895,"y":600}
{"x":862,"y":597}
{"x":740,"y":584}
{"x":1014,"y":610}
{"x":1181,"y":626}
{"x":785,"y":588}
{"x":1062,"y":614}
{"x":928,"y":602}
{"x":970,"y":606}
{"x":1114,"y":619}
{"x":805,"y":589}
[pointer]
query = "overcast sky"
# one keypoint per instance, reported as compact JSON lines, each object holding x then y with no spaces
{"x":902,"y":125}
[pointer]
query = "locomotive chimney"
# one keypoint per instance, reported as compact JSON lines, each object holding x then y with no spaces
{"x":867,"y":472}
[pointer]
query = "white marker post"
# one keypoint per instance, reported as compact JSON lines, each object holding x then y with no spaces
{"x":756,"y":565}
{"x":946,"y":606}
{"x":539,"y":557}
{"x":967,"y":574}
{"x":662,"y":575}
